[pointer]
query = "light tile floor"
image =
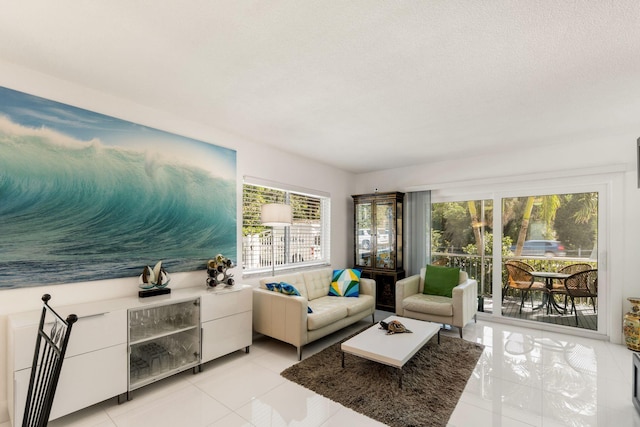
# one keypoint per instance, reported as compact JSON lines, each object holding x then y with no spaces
{"x":525,"y":377}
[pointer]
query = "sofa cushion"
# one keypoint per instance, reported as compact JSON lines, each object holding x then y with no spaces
{"x":354,"y":305}
{"x":325,"y":312}
{"x":317,"y":282}
{"x":345,"y":283}
{"x":429,"y":304}
{"x":440,"y":280}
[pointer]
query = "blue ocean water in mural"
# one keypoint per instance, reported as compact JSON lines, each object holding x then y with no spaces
{"x":73,"y":210}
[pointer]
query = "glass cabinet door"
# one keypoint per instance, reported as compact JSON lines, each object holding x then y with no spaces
{"x":385,"y":234}
{"x":364,"y":239}
{"x":163,"y":340}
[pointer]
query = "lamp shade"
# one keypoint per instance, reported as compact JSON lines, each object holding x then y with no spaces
{"x":275,"y":215}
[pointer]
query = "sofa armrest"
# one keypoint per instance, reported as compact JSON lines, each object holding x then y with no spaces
{"x":405,"y":288}
{"x":368,"y":286}
{"x":280,"y":316}
{"x":465,"y":301}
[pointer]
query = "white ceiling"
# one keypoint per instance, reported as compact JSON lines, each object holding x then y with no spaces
{"x":363,"y":85}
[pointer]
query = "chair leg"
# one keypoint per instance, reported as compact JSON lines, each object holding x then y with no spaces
{"x":299,"y":353}
{"x":575,"y":310}
{"x":531,"y":296}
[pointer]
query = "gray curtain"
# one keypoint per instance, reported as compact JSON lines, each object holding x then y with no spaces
{"x":418,"y":230}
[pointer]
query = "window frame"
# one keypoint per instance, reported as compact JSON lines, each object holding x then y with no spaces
{"x":302,"y":245}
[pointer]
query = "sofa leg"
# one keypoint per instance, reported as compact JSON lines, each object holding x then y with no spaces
{"x":299,"y":353}
{"x":475,"y":318}
{"x":373,"y":319}
{"x":460,"y":329}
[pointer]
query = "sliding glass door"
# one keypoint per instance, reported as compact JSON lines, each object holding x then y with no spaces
{"x":552,"y":237}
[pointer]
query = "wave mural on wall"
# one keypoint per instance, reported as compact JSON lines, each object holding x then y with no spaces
{"x":84,"y":196}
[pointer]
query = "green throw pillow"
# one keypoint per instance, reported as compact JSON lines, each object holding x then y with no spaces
{"x":440,"y":280}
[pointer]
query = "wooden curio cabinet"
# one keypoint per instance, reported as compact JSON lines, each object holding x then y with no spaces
{"x":378,"y":243}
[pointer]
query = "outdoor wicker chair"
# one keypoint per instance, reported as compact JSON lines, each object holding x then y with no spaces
{"x":521,"y":264}
{"x":580,"y":285}
{"x":558,"y":286}
{"x":523,"y":280}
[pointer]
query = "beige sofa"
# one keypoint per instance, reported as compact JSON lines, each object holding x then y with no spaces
{"x":457,"y":311}
{"x":285,"y":317}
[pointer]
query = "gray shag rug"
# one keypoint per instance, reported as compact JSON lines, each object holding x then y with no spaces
{"x":432,"y":382}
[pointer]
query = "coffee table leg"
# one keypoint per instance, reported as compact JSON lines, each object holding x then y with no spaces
{"x":343,"y":359}
{"x":400,"y":377}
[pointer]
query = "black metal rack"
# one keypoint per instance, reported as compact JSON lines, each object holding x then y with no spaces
{"x":51,"y":346}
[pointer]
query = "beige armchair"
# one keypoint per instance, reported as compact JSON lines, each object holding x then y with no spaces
{"x":457,"y":311}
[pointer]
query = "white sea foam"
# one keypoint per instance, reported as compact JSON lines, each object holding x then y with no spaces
{"x":10,"y":128}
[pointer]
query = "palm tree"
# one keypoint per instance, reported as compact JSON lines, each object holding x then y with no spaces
{"x":526,"y":217}
{"x":475,"y":225}
{"x":588,"y":210}
{"x":549,"y":206}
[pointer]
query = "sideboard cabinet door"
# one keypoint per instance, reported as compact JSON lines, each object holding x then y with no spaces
{"x":226,"y":321}
{"x":94,"y":369}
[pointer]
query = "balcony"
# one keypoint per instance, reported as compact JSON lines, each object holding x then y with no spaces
{"x":481,"y":269}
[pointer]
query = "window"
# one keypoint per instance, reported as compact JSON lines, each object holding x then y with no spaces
{"x":305,"y":242}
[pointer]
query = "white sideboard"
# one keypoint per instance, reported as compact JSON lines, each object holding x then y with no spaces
{"x":97,"y":362}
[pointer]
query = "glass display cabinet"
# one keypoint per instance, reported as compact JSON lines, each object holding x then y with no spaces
{"x":378,"y":242}
{"x":163,"y":340}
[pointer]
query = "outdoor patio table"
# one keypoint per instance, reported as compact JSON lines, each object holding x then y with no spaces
{"x":547,"y":300}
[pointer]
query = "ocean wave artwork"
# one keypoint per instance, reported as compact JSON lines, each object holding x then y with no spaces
{"x":85,"y":196}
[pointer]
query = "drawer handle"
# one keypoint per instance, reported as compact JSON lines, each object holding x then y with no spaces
{"x":89,"y":316}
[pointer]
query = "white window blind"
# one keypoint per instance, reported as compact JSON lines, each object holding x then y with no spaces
{"x":305,"y":242}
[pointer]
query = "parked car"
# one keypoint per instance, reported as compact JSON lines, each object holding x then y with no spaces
{"x":548,"y":248}
{"x":364,"y":239}
{"x":383,"y":238}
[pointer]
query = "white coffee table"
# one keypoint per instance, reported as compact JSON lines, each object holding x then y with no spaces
{"x":393,"y":350}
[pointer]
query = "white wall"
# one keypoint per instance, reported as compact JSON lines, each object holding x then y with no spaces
{"x":252,"y":159}
{"x":611,"y":158}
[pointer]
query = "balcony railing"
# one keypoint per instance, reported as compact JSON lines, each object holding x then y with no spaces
{"x":481,"y":268}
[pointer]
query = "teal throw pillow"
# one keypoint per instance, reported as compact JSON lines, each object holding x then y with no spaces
{"x":288,"y":289}
{"x":440,"y":280}
{"x":275,"y":287}
{"x":282,"y":287}
{"x":345,"y":283}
